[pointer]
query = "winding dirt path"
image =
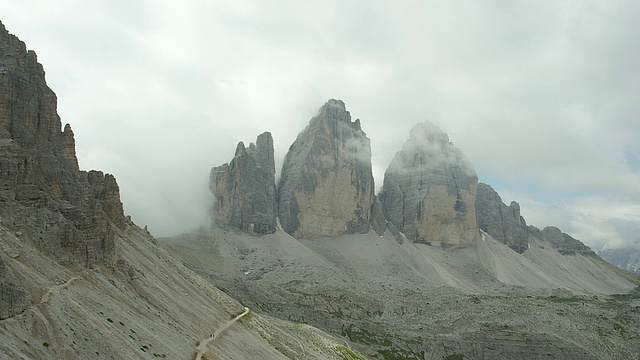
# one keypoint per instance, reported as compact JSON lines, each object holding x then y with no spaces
{"x":45,"y":296}
{"x":203,"y":347}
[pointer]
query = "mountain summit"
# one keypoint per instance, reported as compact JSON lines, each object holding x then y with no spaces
{"x":429,"y":190}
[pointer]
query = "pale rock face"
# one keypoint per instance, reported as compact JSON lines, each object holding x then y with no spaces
{"x":245,"y":189}
{"x":326,"y":187}
{"x":502,"y":222}
{"x":429,"y":190}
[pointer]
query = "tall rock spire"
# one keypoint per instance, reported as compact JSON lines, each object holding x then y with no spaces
{"x":245,"y":189}
{"x":326,"y":186}
{"x":429,"y":189}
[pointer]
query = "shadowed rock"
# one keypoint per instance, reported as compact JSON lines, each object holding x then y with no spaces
{"x":326,"y":187}
{"x":429,"y":190}
{"x":39,"y":171}
{"x":502,"y":222}
{"x":245,"y":188}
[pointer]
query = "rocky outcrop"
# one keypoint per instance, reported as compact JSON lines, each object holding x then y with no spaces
{"x":43,"y":194}
{"x":429,"y":190}
{"x":245,"y":188}
{"x":14,"y":298}
{"x":502,"y":222}
{"x":326,"y":186}
{"x":563,"y":243}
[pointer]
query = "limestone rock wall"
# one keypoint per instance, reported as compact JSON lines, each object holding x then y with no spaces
{"x":245,"y":188}
{"x":326,"y":186}
{"x":502,"y":222}
{"x":43,"y":194}
{"x":429,"y":190}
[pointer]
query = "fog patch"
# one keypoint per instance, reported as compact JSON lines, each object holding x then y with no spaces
{"x":429,"y":146}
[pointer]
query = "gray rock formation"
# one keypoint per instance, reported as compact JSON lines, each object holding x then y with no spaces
{"x":429,"y":190}
{"x":563,"y":243}
{"x":43,"y":194}
{"x":502,"y":222}
{"x":245,"y":189}
{"x":326,"y":186}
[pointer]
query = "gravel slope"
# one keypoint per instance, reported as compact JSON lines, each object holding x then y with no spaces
{"x":396,"y":299}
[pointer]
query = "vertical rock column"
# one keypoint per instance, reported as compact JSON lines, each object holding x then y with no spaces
{"x":245,"y":188}
{"x":429,"y":190}
{"x":326,"y":186}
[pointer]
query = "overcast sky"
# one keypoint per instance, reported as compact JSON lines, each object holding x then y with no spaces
{"x":542,"y":96}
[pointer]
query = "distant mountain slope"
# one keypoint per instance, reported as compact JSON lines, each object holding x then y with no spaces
{"x":625,"y":258}
{"x":79,"y":280}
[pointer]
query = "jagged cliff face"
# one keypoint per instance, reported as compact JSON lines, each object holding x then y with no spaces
{"x":429,"y":190}
{"x":245,"y":189}
{"x":43,"y":194}
{"x":502,"y":222}
{"x":326,"y":186}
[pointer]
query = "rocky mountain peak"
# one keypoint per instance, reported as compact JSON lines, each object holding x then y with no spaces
{"x":429,"y":189}
{"x":326,"y":186}
{"x":245,"y":188}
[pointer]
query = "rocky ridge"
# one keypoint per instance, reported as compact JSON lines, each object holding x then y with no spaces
{"x":245,"y":188}
{"x":76,"y":210}
{"x":504,"y":223}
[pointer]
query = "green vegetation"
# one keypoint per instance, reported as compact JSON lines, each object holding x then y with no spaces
{"x":632,"y":295}
{"x":45,"y":344}
{"x":363,"y":336}
{"x":563,"y":300}
{"x":109,"y":320}
{"x":347,"y":354}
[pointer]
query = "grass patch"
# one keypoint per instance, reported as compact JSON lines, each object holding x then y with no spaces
{"x":566,"y":300}
{"x":363,"y":336}
{"x":347,"y":354}
{"x":632,"y":295}
{"x":45,"y":344}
